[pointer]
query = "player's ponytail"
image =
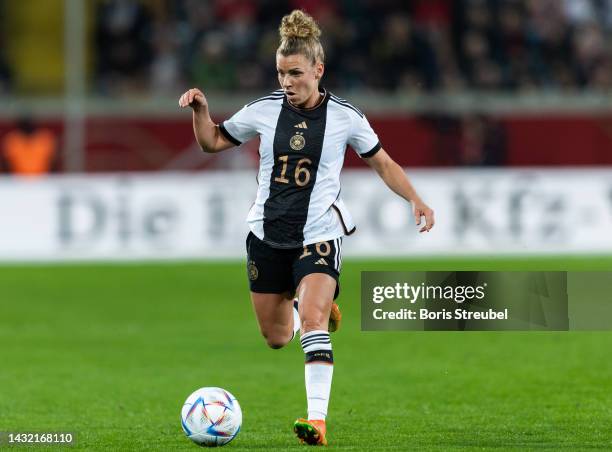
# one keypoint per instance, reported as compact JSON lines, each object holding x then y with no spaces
{"x":299,"y":34}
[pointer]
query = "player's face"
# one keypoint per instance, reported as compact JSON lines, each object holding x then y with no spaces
{"x":299,"y":78}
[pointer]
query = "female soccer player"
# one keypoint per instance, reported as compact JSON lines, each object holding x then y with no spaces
{"x":298,"y":219}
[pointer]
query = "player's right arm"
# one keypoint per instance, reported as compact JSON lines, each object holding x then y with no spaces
{"x":207,"y":133}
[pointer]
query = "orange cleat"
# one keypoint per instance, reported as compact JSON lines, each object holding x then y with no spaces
{"x":335,"y":317}
{"x":311,"y":432}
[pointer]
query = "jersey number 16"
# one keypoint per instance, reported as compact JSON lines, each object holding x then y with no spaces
{"x":301,"y":175}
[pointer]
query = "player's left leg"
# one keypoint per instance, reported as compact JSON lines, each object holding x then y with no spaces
{"x":316,"y":293}
{"x":335,"y":317}
{"x":323,"y":257}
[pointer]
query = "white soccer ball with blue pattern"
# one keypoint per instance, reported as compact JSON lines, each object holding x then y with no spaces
{"x":211,"y":417}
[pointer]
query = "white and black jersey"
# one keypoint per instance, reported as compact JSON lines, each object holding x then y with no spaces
{"x":301,"y":154}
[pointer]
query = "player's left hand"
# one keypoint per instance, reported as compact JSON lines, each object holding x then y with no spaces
{"x":422,"y":210}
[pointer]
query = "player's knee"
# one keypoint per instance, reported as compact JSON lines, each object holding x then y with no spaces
{"x":275,"y":341}
{"x":275,"y":345}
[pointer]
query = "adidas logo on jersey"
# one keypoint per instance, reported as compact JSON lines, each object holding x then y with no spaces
{"x":301,"y":125}
{"x":321,"y":262}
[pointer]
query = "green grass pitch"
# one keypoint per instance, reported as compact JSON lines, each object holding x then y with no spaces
{"x":110,"y":352}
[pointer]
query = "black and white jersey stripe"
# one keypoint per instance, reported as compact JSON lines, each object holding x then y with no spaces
{"x":301,"y":155}
{"x":344,"y":103}
{"x":274,"y":95}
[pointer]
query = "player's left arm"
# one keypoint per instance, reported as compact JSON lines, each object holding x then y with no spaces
{"x":393,"y":175}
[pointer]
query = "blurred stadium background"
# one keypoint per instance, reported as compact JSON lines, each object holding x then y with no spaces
{"x":470,"y":95}
{"x":501,"y":112}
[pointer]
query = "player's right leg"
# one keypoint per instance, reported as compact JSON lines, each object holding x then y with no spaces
{"x":274,"y":314}
{"x":271,"y":284}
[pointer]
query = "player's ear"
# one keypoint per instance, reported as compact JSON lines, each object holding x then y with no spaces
{"x":319,"y":70}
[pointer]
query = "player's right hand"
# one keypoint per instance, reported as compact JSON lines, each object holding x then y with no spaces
{"x":193,"y":98}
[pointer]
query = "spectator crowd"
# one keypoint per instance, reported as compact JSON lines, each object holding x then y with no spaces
{"x":390,"y":45}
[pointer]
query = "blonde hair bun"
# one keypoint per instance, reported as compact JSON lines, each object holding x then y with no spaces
{"x":299,"y":34}
{"x":298,"y":24}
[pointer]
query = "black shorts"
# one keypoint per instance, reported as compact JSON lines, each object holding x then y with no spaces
{"x":277,"y":270}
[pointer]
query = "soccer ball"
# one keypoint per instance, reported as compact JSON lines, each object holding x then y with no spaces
{"x":211,"y":417}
